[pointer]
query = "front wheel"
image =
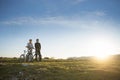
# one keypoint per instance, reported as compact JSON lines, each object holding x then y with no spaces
{"x":22,"y":58}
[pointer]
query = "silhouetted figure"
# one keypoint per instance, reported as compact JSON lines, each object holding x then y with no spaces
{"x":37,"y":50}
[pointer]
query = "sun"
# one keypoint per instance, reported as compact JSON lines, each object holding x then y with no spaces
{"x":101,"y":48}
{"x":101,"y":57}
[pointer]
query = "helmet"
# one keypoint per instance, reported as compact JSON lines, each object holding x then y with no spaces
{"x":30,"y":39}
{"x":37,"y":39}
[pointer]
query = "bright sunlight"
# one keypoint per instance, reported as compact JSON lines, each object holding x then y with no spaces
{"x":101,"y":48}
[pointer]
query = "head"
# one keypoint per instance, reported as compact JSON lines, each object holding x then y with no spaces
{"x":30,"y":40}
{"x":37,"y":40}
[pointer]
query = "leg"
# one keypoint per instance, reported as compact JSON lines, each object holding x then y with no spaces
{"x":40,"y":56}
{"x":36,"y":56}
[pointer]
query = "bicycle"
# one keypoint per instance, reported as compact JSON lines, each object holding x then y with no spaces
{"x":27,"y":56}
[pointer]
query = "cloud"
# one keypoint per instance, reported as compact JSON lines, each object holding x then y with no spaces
{"x":95,"y":13}
{"x":78,"y":1}
{"x":79,"y":21}
{"x":100,"y":13}
{"x":74,"y":2}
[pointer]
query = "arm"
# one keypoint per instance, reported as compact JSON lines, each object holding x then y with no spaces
{"x":32,"y":46}
{"x":40,"y":46}
{"x":35,"y":45}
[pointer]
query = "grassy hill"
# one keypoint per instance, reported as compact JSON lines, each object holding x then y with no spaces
{"x":58,"y":69}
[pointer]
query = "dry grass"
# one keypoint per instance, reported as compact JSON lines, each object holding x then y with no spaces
{"x":11,"y":69}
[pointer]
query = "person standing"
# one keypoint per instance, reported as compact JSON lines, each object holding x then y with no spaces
{"x":29,"y":52}
{"x":30,"y":46}
{"x":38,"y":50}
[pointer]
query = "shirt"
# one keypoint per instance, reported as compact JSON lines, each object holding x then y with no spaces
{"x":30,"y":46}
{"x":37,"y":46}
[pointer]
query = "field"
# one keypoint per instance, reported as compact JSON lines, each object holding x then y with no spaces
{"x":61,"y":69}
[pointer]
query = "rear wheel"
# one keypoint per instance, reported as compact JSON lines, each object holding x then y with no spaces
{"x":29,"y":57}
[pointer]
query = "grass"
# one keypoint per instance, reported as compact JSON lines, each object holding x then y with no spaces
{"x":56,"y":69}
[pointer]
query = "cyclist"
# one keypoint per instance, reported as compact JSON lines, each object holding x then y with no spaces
{"x":38,"y":49}
{"x":30,"y":46}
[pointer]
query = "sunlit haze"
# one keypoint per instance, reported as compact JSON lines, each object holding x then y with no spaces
{"x":66,"y":28}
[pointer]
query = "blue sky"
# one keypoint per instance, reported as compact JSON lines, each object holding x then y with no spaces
{"x":65,"y":27}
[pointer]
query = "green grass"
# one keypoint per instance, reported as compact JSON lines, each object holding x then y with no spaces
{"x":83,"y":69}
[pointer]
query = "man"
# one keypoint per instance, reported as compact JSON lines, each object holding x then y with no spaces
{"x":37,"y":50}
{"x":30,"y":46}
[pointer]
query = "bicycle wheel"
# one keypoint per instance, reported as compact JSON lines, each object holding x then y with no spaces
{"x":22,"y":58}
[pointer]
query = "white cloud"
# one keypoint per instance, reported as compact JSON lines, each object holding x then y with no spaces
{"x":82,"y":22}
{"x":74,"y":2}
{"x":99,"y":13}
{"x":95,"y":13}
{"x":91,"y":17}
{"x":78,"y":1}
{"x":60,"y":21}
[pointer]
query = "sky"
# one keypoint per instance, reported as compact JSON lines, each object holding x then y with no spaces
{"x":65,"y":28}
